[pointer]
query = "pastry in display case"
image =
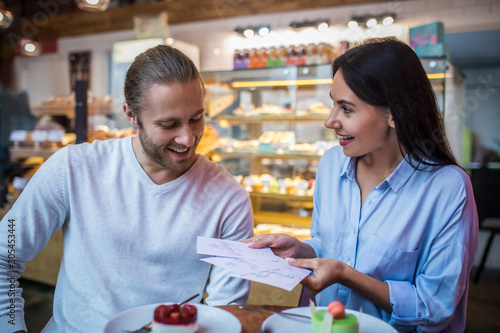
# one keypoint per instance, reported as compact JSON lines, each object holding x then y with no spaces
{"x":272,"y":137}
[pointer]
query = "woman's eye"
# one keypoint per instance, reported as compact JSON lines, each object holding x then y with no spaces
{"x":346,"y":110}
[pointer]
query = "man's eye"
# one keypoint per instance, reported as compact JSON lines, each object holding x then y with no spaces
{"x":168,"y":126}
{"x":197,"y":118}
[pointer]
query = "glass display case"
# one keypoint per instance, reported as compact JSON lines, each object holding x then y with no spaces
{"x":448,"y":83}
{"x":271,"y":127}
{"x":272,"y":135}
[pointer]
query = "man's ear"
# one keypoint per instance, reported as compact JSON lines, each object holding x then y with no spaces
{"x":131,"y":117}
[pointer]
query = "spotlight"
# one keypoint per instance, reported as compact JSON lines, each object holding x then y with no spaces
{"x":264,"y":31}
{"x":248,"y":33}
{"x":92,"y":5}
{"x":388,"y":20}
{"x":29,"y":47}
{"x":6,"y":18}
{"x":371,"y":20}
{"x":322,"y":26}
{"x":371,"y":23}
{"x":352,"y":24}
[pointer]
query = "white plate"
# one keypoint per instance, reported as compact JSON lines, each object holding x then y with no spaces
{"x":211,"y":319}
{"x":277,"y":323}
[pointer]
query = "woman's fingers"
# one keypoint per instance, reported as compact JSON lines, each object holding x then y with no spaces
{"x":303,"y":263}
{"x":274,"y":241}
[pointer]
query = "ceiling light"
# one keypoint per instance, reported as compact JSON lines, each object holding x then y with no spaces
{"x":29,"y":47}
{"x":6,"y":18}
{"x":322,"y":26}
{"x":248,"y":33}
{"x":93,"y":5}
{"x":372,"y":20}
{"x":264,"y":31}
{"x":388,"y":20}
{"x":352,"y":24}
{"x":371,"y":23}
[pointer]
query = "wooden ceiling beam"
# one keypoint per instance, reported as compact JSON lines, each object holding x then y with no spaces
{"x":181,"y":11}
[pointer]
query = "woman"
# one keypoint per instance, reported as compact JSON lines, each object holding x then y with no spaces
{"x":394,"y":227}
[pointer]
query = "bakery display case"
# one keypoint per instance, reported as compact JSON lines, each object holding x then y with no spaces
{"x":272,"y":135}
{"x":448,"y":83}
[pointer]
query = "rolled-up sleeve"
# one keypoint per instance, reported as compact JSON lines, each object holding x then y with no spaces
{"x":442,"y":281}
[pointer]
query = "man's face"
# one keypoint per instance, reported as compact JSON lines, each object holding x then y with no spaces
{"x":171,"y":125}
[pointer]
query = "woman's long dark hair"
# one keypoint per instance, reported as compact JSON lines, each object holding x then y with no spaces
{"x":387,"y":72}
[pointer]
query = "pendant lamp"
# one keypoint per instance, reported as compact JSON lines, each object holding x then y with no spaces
{"x":92,"y":5}
{"x":6,"y":18}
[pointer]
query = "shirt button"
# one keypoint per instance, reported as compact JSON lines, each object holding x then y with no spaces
{"x":354,"y":231}
{"x":369,"y":202}
{"x":349,"y":262}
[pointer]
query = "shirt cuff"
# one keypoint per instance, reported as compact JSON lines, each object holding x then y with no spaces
{"x":401,"y":294}
{"x":315,"y":243}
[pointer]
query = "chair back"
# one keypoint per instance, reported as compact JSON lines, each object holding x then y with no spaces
{"x":486,"y":186}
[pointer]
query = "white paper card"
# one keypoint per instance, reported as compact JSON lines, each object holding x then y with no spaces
{"x":18,"y":135}
{"x":55,"y":136}
{"x":39,"y":136}
{"x":260,"y":265}
{"x":228,"y":248}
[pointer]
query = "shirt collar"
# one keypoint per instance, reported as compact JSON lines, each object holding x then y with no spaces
{"x":396,"y":180}
{"x":401,"y":174}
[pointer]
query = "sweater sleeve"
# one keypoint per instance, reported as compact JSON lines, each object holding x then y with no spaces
{"x":25,"y":230}
{"x":222,"y":288}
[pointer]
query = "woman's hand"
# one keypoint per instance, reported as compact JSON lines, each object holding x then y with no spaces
{"x":284,"y":246}
{"x":330,"y":271}
{"x":326,"y":272}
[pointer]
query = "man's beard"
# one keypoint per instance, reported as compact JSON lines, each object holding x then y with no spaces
{"x":160,"y":156}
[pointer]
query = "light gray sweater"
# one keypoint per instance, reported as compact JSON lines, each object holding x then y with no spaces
{"x":127,"y":241}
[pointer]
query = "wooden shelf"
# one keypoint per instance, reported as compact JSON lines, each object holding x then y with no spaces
{"x":27,"y":152}
{"x":258,"y":119}
{"x":68,"y":111}
{"x":281,"y":196}
{"x":282,"y":218}
{"x":256,"y":154}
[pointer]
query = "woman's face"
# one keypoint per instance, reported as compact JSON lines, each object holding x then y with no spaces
{"x":361,"y":128}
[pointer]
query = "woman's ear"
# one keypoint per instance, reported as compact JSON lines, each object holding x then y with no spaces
{"x":131,"y":116}
{"x":391,"y":122}
{"x":390,"y":119}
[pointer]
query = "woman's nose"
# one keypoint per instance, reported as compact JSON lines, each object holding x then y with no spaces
{"x":332,"y":121}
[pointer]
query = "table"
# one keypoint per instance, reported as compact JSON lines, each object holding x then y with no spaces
{"x":251,"y":321}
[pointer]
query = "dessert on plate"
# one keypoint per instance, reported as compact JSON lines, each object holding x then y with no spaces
{"x":175,"y":319}
{"x":334,"y":320}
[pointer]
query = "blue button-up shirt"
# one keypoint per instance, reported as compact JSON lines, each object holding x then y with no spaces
{"x":417,"y":231}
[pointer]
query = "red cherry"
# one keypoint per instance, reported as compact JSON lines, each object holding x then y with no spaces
{"x":175,"y":315}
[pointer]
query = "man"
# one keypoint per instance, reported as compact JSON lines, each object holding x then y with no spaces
{"x":130,"y":209}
